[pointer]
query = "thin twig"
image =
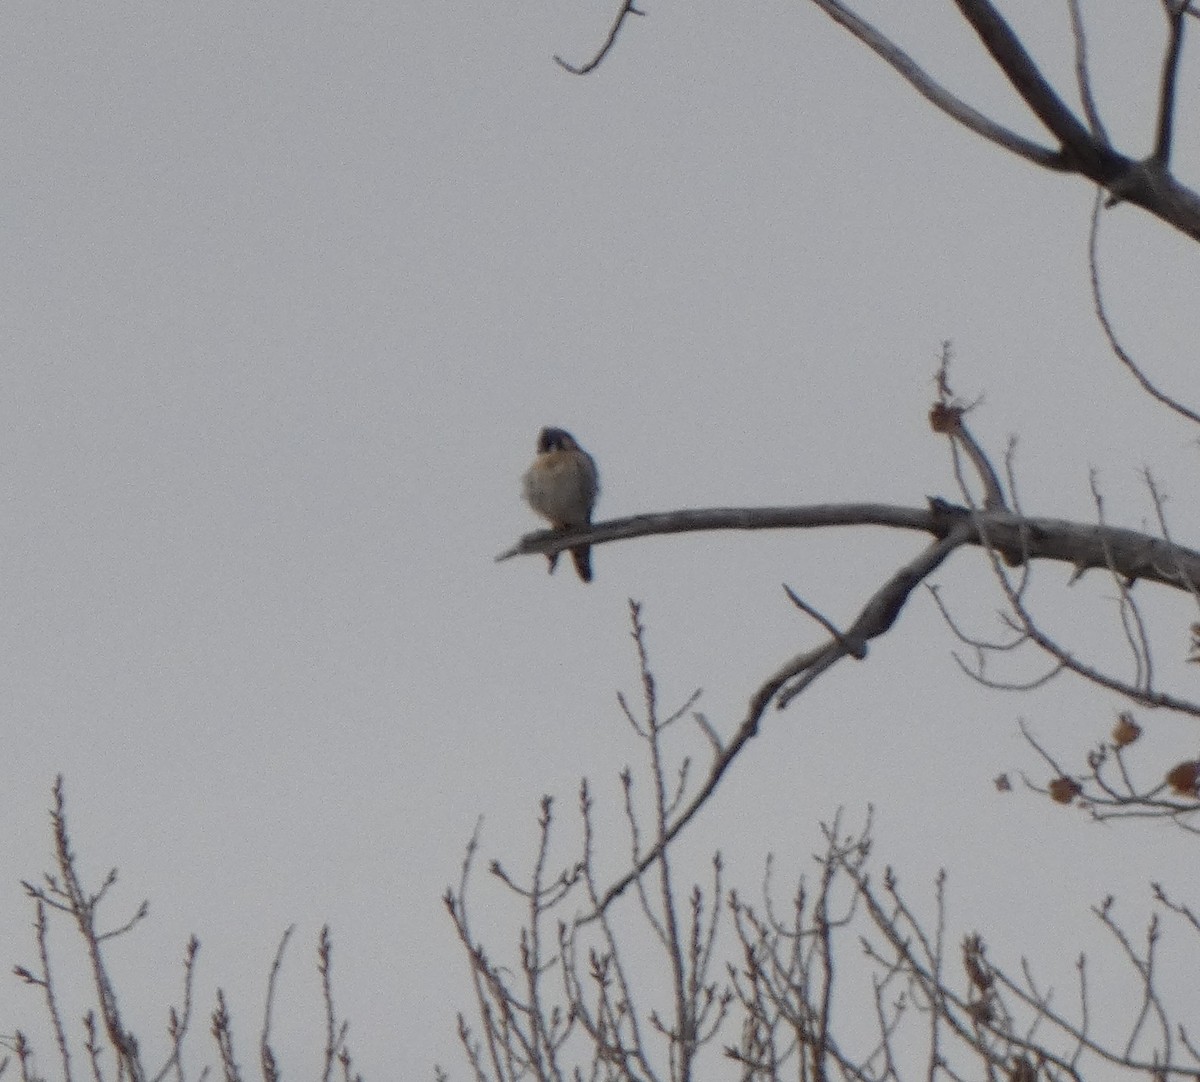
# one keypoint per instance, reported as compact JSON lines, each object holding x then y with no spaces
{"x":627,"y":9}
{"x":1110,"y":333}
{"x":1082,"y":76}
{"x":876,"y":618}
{"x":270,"y":1068}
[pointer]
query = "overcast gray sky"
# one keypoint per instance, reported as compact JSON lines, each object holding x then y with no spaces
{"x":287,"y":290}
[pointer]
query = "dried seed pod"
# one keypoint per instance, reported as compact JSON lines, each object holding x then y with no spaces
{"x":945,"y":418}
{"x":1182,"y":778}
{"x":1064,"y":790}
{"x":1126,"y":731}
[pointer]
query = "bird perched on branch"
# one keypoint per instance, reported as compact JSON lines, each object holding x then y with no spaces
{"x":562,"y":486}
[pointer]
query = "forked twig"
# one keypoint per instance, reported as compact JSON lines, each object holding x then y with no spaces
{"x":627,"y":9}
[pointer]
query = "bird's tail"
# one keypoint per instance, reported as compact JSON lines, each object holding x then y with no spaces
{"x":583,"y":561}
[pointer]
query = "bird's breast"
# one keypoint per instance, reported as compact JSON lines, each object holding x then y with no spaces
{"x":561,"y":487}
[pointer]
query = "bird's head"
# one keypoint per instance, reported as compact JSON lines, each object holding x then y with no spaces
{"x":555,"y":439}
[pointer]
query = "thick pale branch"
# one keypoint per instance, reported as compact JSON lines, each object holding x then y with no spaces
{"x":1147,"y":184}
{"x":932,"y":91}
{"x":1014,"y":60}
{"x":1128,"y":553}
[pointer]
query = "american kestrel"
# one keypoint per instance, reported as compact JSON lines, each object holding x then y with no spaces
{"x":562,"y":486}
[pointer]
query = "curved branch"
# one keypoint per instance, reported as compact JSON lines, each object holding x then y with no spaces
{"x":1027,"y":80}
{"x":876,"y":618}
{"x":1147,"y":184}
{"x":932,"y":91}
{"x":627,"y":9}
{"x":1111,"y":334}
{"x":1129,"y":553}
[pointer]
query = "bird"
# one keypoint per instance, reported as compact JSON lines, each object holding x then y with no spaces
{"x":562,"y":486}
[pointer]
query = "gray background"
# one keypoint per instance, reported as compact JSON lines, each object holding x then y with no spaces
{"x":288,"y":289}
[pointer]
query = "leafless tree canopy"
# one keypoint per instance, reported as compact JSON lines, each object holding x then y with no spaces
{"x":847,"y":974}
{"x":657,"y":972}
{"x":104,"y":1047}
{"x":1077,"y":141}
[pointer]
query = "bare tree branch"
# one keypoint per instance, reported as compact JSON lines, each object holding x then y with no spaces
{"x":1110,"y":333}
{"x":1083,"y":148}
{"x":855,"y":650}
{"x":1082,"y":76}
{"x":627,"y":9}
{"x":1014,"y":60}
{"x":875,"y":619}
{"x":1147,"y":184}
{"x":270,"y":1066}
{"x":1166,"y":101}
{"x":932,"y":91}
{"x":1017,"y":537}
{"x":47,"y":984}
{"x":946,"y":417}
{"x":179,"y":1021}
